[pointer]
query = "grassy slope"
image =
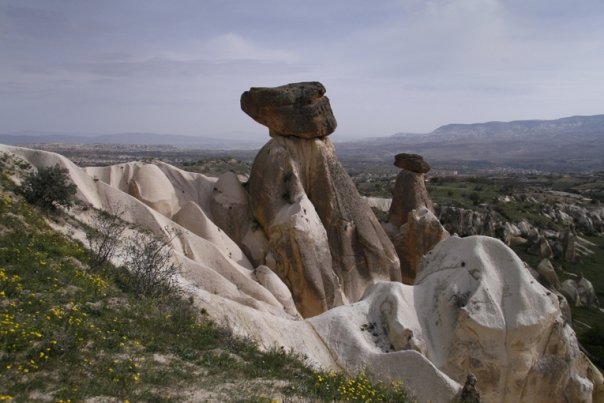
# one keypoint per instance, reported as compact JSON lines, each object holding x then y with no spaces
{"x":68,"y":334}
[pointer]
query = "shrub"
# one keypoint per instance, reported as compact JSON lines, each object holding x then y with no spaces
{"x":104,"y":238}
{"x":48,"y":188}
{"x":152,"y":269}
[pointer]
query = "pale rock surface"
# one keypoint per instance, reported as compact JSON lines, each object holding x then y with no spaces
{"x":482,"y":313}
{"x":525,"y":228}
{"x":193,"y":218}
{"x":580,"y":292}
{"x":548,"y":275}
{"x":231,"y":212}
{"x":381,"y":203}
{"x":273,"y":283}
{"x":382,"y":335}
{"x":152,"y":187}
{"x":474,"y":307}
{"x":324,"y":241}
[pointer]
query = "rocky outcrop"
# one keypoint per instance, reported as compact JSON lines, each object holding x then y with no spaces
{"x":409,"y":191}
{"x":299,"y":109}
{"x":564,"y":245}
{"x":482,"y":313}
{"x":148,"y":184}
{"x":580,"y":292}
{"x":587,"y":220}
{"x":230,"y":210}
{"x":323,"y":240}
{"x":466,"y":222}
{"x":474,"y":308}
{"x":417,"y":236}
{"x":412,"y":225}
{"x":547,"y":275}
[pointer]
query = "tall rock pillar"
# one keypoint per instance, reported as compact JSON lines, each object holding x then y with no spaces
{"x":412,"y":225}
{"x":324,"y":241}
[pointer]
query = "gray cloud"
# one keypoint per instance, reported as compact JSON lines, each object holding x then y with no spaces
{"x":180,"y":66}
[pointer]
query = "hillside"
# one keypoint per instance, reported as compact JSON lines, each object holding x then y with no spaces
{"x":215,"y":276}
{"x":73,"y":331}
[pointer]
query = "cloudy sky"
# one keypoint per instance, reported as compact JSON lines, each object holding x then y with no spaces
{"x":180,"y":66}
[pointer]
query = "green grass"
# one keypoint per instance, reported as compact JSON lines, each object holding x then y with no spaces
{"x":69,"y":333}
{"x":217,"y":166}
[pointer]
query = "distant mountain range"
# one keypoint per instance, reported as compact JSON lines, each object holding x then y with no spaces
{"x":27,"y":138}
{"x":569,"y":144}
{"x":583,"y":127}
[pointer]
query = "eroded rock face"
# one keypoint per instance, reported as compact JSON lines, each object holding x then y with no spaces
{"x":409,"y":193}
{"x":481,"y":313}
{"x":412,"y":225}
{"x":580,"y":292}
{"x":417,"y":236}
{"x":324,"y":241}
{"x":298,"y":109}
{"x":547,"y":275}
{"x":231,"y":211}
{"x":149,"y":185}
{"x":473,"y":309}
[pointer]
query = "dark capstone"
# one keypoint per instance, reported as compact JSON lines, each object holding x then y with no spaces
{"x":412,"y":162}
{"x":298,"y":109}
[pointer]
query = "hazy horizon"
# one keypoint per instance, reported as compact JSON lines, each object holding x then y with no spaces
{"x":179,"y":67}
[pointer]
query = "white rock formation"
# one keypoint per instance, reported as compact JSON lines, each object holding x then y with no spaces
{"x":482,"y":312}
{"x":580,"y":292}
{"x":474,"y":308}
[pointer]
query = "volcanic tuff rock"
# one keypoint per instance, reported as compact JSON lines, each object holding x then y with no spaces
{"x":417,"y":236}
{"x":412,"y":226}
{"x":231,"y":211}
{"x":580,"y":292}
{"x":299,"y":109}
{"x":547,"y":275}
{"x":482,"y":313}
{"x":409,"y":193}
{"x":474,"y":307}
{"x":412,"y":162}
{"x":323,"y":240}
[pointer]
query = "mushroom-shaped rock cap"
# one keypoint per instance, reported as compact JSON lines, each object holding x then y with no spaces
{"x":412,"y":162}
{"x":298,"y":109}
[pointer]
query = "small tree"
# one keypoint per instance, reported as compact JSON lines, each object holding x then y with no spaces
{"x":48,"y":188}
{"x":104,"y":237}
{"x":150,"y":262}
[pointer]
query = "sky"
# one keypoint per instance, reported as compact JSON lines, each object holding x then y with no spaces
{"x":180,"y":66}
